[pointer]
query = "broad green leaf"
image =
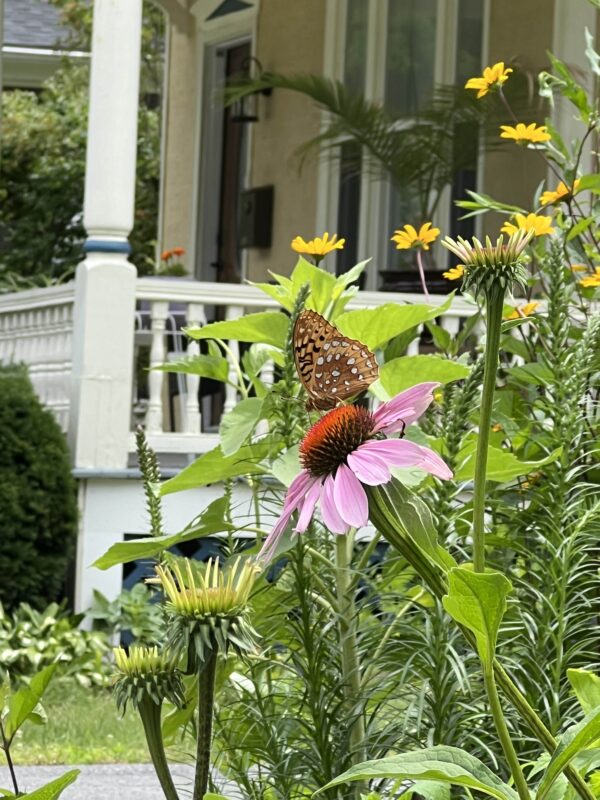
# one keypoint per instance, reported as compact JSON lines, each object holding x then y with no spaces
{"x":441,"y":764}
{"x":535,"y":373}
{"x":212,"y":796}
{"x":586,"y":686}
{"x":575,"y":739}
{"x":321,"y":282}
{"x":278,"y":293}
{"x":215,"y":466}
{"x":580,"y":227}
{"x":591,"y":182}
{"x":287,"y":466}
{"x":238,"y":424}
{"x":25,"y":700}
{"x":376,"y":326}
{"x":478,"y":601}
{"x":396,"y":507}
{"x":53,"y":789}
{"x":211,"y":521}
{"x":346,"y":278}
{"x":402,"y":373}
{"x":430,"y":790}
{"x":269,"y":327}
{"x":215,"y":367}
{"x":502,"y":465}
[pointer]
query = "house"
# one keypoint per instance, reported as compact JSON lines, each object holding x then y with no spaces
{"x":83,"y":340}
{"x":33,"y":43}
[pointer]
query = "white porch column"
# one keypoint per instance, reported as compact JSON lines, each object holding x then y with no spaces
{"x":105,"y":281}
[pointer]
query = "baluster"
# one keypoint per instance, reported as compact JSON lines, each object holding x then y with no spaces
{"x":413,"y":347}
{"x":154,"y":416}
{"x":232,"y":312}
{"x":192,"y":422}
{"x":450,"y":323}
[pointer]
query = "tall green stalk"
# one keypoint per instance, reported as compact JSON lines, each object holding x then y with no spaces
{"x":351,"y":673}
{"x":150,"y":714}
{"x":206,"y":701}
{"x":495,"y":303}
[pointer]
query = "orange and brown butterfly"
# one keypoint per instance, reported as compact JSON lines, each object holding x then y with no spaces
{"x":332,"y":367}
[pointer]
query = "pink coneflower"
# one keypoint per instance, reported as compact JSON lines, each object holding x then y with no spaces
{"x":346,"y":448}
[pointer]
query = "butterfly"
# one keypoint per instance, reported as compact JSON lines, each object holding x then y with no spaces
{"x":332,"y":367}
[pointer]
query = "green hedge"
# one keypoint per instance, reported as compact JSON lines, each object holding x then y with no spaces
{"x":38,"y":502}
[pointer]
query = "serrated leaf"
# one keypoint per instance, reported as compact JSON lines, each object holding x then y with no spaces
{"x":215,"y":466}
{"x":269,"y":327}
{"x":24,"y":701}
{"x":374,"y":327}
{"x":575,"y":739}
{"x":211,"y":521}
{"x":478,"y":601}
{"x":237,"y":425}
{"x":53,"y":789}
{"x":402,"y":373}
{"x":446,"y":765}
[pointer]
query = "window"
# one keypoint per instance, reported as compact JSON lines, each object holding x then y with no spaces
{"x":395,"y":52}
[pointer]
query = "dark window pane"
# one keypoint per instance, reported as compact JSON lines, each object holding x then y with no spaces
{"x":356,"y":45}
{"x":410,"y":54}
{"x":349,"y":206}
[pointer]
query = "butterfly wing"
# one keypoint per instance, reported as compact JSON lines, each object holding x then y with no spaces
{"x":332,"y":367}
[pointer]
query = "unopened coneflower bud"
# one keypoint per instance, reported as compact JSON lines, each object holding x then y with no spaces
{"x":144,"y":673}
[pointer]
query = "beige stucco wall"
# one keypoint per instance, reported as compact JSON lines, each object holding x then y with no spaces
{"x":179,"y":144}
{"x":520,"y":32}
{"x":289,"y":40}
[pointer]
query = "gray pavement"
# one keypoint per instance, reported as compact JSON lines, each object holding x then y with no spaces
{"x":103,"y":781}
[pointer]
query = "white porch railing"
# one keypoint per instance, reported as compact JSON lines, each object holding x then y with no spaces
{"x":36,"y":328}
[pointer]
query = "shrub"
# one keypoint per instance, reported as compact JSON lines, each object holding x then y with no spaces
{"x":38,"y":507}
{"x":31,"y":640}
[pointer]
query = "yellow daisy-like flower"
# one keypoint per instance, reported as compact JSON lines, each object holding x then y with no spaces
{"x":522,"y":133}
{"x":319,"y":246}
{"x":525,"y":310}
{"x":408,"y":237}
{"x":591,"y":281}
{"x":539,"y":224}
{"x":454,"y":273}
{"x":562,"y":192}
{"x":491,"y":78}
{"x":579,"y":267}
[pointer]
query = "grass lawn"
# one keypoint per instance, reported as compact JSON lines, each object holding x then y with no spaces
{"x":83,"y":728}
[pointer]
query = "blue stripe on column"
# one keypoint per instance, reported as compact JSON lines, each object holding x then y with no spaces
{"x":107,"y":246}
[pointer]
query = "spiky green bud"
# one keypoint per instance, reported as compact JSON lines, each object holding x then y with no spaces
{"x":145,"y":674}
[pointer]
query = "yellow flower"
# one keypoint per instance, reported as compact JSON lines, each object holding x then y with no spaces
{"x":579,"y":267}
{"x":497,"y":427}
{"x":591,"y":281}
{"x":408,"y":237}
{"x":522,"y":311}
{"x":562,"y":192}
{"x":454,"y":273}
{"x":539,"y":224}
{"x":318,"y":247}
{"x":525,"y":133}
{"x":492,"y":78}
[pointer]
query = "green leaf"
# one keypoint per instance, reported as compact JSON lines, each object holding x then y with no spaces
{"x":215,"y":367}
{"x":575,"y":739}
{"x":402,"y":373}
{"x":376,"y":326}
{"x":215,"y":466}
{"x":269,"y":327}
{"x":580,"y":228}
{"x":287,"y":466}
{"x":53,"y":789}
{"x":591,"y":182}
{"x":238,"y":424}
{"x":23,"y":702}
{"x":502,"y":465}
{"x":478,"y":601}
{"x":586,"y":686}
{"x":321,"y":282}
{"x":210,"y":521}
{"x":448,"y":765}
{"x":395,"y":505}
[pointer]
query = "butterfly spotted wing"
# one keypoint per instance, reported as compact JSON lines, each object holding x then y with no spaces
{"x":332,"y":367}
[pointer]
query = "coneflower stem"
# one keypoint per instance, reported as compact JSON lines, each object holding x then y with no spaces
{"x":150,"y":714}
{"x":351,"y":674}
{"x":206,"y":701}
{"x":495,"y":303}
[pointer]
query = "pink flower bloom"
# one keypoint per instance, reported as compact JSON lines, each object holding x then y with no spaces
{"x":347,"y":448}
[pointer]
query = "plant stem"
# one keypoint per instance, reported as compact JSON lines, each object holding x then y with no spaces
{"x":150,"y":715}
{"x":503,"y":733}
{"x":206,"y":700}
{"x":350,"y":658}
{"x":11,"y":767}
{"x":495,"y":301}
{"x":422,"y":273}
